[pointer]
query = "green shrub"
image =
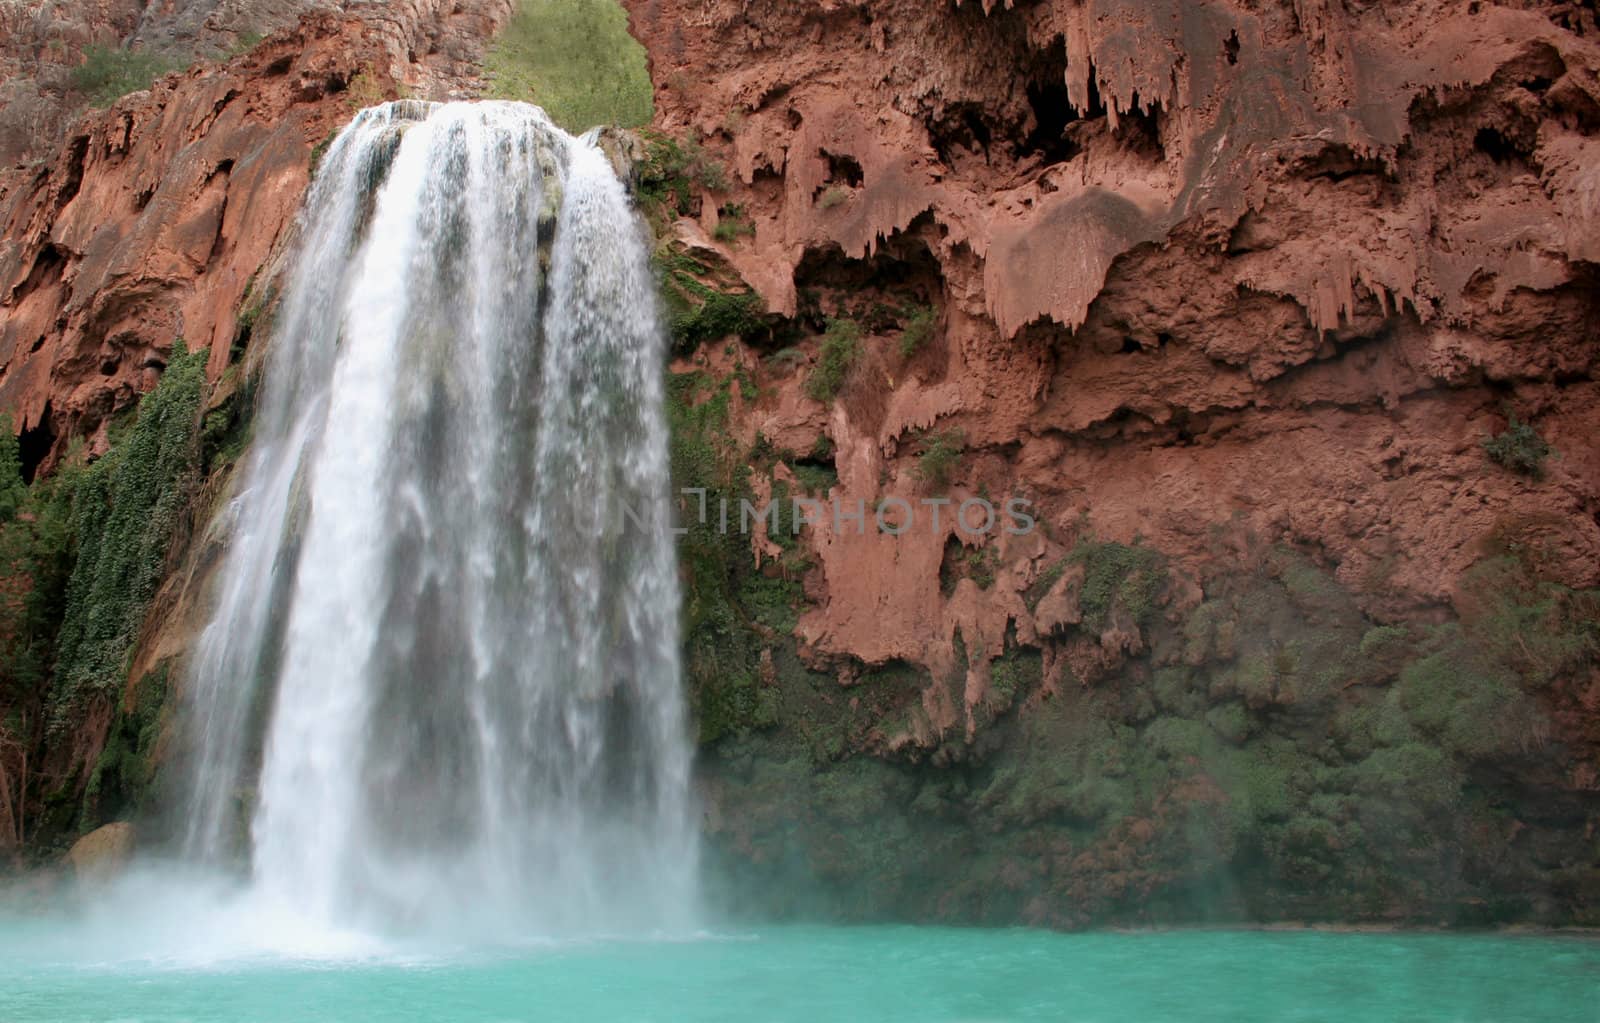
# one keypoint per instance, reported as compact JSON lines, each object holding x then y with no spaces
{"x":1533,"y":628}
{"x":1384,"y":641}
{"x":1468,"y":706}
{"x":575,"y":59}
{"x":1230,"y":721}
{"x":785,"y":359}
{"x":124,"y":777}
{"x":1519,"y":449}
{"x":841,"y":349}
{"x":816,"y":480}
{"x":109,"y":72}
{"x":1014,"y":675}
{"x":733,"y":224}
{"x":1039,"y":587}
{"x":919,"y":328}
{"x":13,"y":492}
{"x":719,"y":315}
{"x":246,"y":41}
{"x":938,"y":455}
{"x":1118,"y":576}
{"x":671,"y":172}
{"x":1413,"y":774}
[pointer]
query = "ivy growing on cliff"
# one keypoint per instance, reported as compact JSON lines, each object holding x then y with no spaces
{"x":126,"y":510}
{"x":13,"y":491}
{"x":36,"y":554}
{"x":733,"y":610}
{"x":124,"y":776}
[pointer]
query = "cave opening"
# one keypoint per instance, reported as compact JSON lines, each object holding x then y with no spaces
{"x":843,"y":169}
{"x":1495,"y":145}
{"x":1141,"y":128}
{"x":47,"y":269}
{"x":1050,"y":102}
{"x":1052,"y":115}
{"x":961,"y":127}
{"x":34,"y":444}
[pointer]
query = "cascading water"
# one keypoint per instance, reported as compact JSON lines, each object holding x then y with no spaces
{"x":449,"y":601}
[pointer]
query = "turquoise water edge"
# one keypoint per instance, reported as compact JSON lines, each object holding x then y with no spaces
{"x":53,"y":971}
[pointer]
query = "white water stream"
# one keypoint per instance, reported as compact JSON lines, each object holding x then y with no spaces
{"x":449,"y":602}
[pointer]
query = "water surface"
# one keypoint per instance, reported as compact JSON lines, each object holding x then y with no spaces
{"x":229,"y":971}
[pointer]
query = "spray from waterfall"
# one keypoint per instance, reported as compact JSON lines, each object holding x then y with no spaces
{"x":451,"y":665}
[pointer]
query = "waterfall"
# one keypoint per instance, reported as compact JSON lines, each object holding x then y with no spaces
{"x":445,"y":638}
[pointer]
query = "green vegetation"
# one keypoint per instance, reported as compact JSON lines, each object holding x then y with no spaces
{"x":36,"y":551}
{"x":720,"y":314}
{"x":841,"y":349}
{"x":127,"y":507}
{"x":575,"y":59}
{"x":671,"y":173}
{"x":733,"y":225}
{"x":1519,"y":449}
{"x":732,"y":611}
{"x":920,"y":325}
{"x":109,"y":72}
{"x":1042,"y":585}
{"x":123,"y":779}
{"x":82,"y":553}
{"x":816,"y":480}
{"x":1118,"y":577}
{"x":962,"y":562}
{"x":698,"y":311}
{"x":1277,"y":755}
{"x":938,"y":455}
{"x":13,"y":492}
{"x":1467,"y":705}
{"x":246,"y":41}
{"x":834,"y":196}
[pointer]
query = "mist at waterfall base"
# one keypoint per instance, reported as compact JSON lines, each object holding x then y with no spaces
{"x":436,"y":760}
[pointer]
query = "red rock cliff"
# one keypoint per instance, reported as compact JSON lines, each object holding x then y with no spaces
{"x":1197,"y":263}
{"x":1241,"y":286}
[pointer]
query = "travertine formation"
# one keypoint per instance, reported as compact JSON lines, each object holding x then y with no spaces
{"x":1196,"y":264}
{"x":1212,"y":279}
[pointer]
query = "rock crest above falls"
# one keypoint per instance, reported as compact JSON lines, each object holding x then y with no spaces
{"x":155,"y":216}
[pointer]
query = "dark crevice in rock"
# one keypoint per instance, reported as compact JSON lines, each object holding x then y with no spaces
{"x":34,"y":444}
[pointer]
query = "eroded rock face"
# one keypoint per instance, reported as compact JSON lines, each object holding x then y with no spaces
{"x":154,"y":217}
{"x":1211,"y":280}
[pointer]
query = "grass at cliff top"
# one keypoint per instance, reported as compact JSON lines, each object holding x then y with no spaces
{"x":575,"y":59}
